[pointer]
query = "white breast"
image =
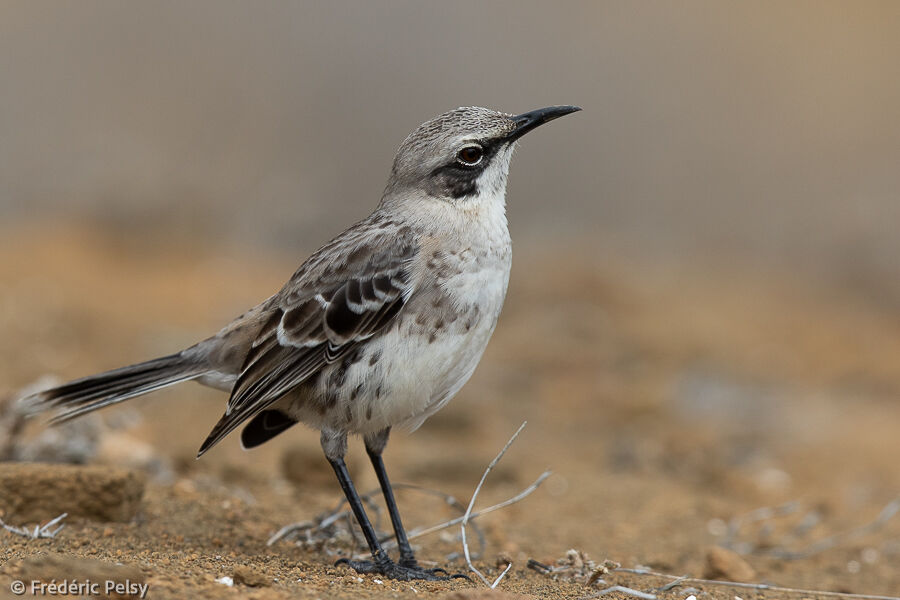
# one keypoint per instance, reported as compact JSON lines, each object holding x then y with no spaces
{"x":443,"y":352}
{"x":420,"y":362}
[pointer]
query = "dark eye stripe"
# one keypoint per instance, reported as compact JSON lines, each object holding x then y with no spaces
{"x":457,"y":179}
{"x":489,"y":149}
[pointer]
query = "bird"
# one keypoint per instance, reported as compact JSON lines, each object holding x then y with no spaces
{"x":379,"y":328}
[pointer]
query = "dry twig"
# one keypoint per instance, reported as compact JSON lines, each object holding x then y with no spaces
{"x":763,"y":514}
{"x":761,"y":587}
{"x":622,"y":590}
{"x":467,"y":516}
{"x":575,"y":566}
{"x":39,"y":531}
{"x":322,"y":523}
{"x":525,"y":492}
{"x":321,"y":530}
{"x":313,"y":529}
{"x":887,"y":513}
{"x":890,"y":510}
{"x":564,"y":568}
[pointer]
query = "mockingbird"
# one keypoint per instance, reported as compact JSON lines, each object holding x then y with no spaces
{"x":379,"y":328}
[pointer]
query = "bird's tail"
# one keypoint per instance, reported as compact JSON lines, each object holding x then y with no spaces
{"x":105,"y":389}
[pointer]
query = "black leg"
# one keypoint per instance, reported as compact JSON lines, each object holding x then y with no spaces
{"x":335,"y":445}
{"x":407,"y":558}
{"x":379,"y":556}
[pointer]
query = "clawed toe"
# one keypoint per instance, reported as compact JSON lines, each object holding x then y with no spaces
{"x":447,"y":574}
{"x":411,"y":563}
{"x":399,"y":572}
{"x":360,"y":566}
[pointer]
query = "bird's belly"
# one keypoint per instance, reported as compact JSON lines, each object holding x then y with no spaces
{"x":406,"y":373}
{"x":433,"y":371}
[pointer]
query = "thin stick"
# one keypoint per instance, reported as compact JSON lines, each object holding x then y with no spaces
{"x":755,"y":586}
{"x":622,"y":590}
{"x":420,"y":532}
{"x":760,"y":514}
{"x":890,"y":510}
{"x":505,"y":571}
{"x":288,"y":530}
{"x":887,"y":513}
{"x":468,"y":514}
{"x":40,"y":531}
{"x":672,"y":584}
{"x":388,"y":540}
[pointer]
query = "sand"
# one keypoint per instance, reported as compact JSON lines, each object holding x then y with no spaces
{"x":670,"y":399}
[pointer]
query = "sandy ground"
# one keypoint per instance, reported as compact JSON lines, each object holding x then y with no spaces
{"x":668,"y":399}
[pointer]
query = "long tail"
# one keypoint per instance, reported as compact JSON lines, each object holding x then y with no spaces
{"x":104,"y":389}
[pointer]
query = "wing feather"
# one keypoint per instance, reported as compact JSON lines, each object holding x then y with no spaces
{"x":326,"y":310}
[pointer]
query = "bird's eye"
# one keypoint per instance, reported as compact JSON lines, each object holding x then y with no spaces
{"x":470,"y":155}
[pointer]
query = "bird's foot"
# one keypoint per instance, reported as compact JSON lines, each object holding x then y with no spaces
{"x":407,"y":570}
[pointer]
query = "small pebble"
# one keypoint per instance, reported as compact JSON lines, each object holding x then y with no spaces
{"x":249,"y":577}
{"x":727,"y":565}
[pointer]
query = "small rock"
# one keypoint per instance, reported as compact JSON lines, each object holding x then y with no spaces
{"x":33,"y":492}
{"x":727,"y":565}
{"x":249,"y":577}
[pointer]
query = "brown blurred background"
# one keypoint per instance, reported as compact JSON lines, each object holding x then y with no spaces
{"x":703,"y":313}
{"x":769,"y":129}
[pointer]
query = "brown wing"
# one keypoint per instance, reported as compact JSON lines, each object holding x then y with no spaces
{"x":323,"y":312}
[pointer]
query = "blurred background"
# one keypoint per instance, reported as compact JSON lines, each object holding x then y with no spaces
{"x":769,"y":129}
{"x":707,"y":266}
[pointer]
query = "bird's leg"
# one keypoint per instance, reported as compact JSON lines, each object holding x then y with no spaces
{"x":374,"y":447}
{"x":379,"y":556}
{"x":335,"y":446}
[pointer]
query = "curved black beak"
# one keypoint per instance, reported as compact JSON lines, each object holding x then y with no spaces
{"x":528,"y":121}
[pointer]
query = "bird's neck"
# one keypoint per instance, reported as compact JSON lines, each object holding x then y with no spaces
{"x":475,"y":220}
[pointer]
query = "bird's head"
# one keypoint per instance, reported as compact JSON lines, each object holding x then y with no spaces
{"x":463,"y":155}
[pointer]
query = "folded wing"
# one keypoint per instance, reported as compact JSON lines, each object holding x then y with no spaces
{"x":328,"y":308}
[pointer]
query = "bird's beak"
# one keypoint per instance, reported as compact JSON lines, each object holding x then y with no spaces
{"x":528,"y":121}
